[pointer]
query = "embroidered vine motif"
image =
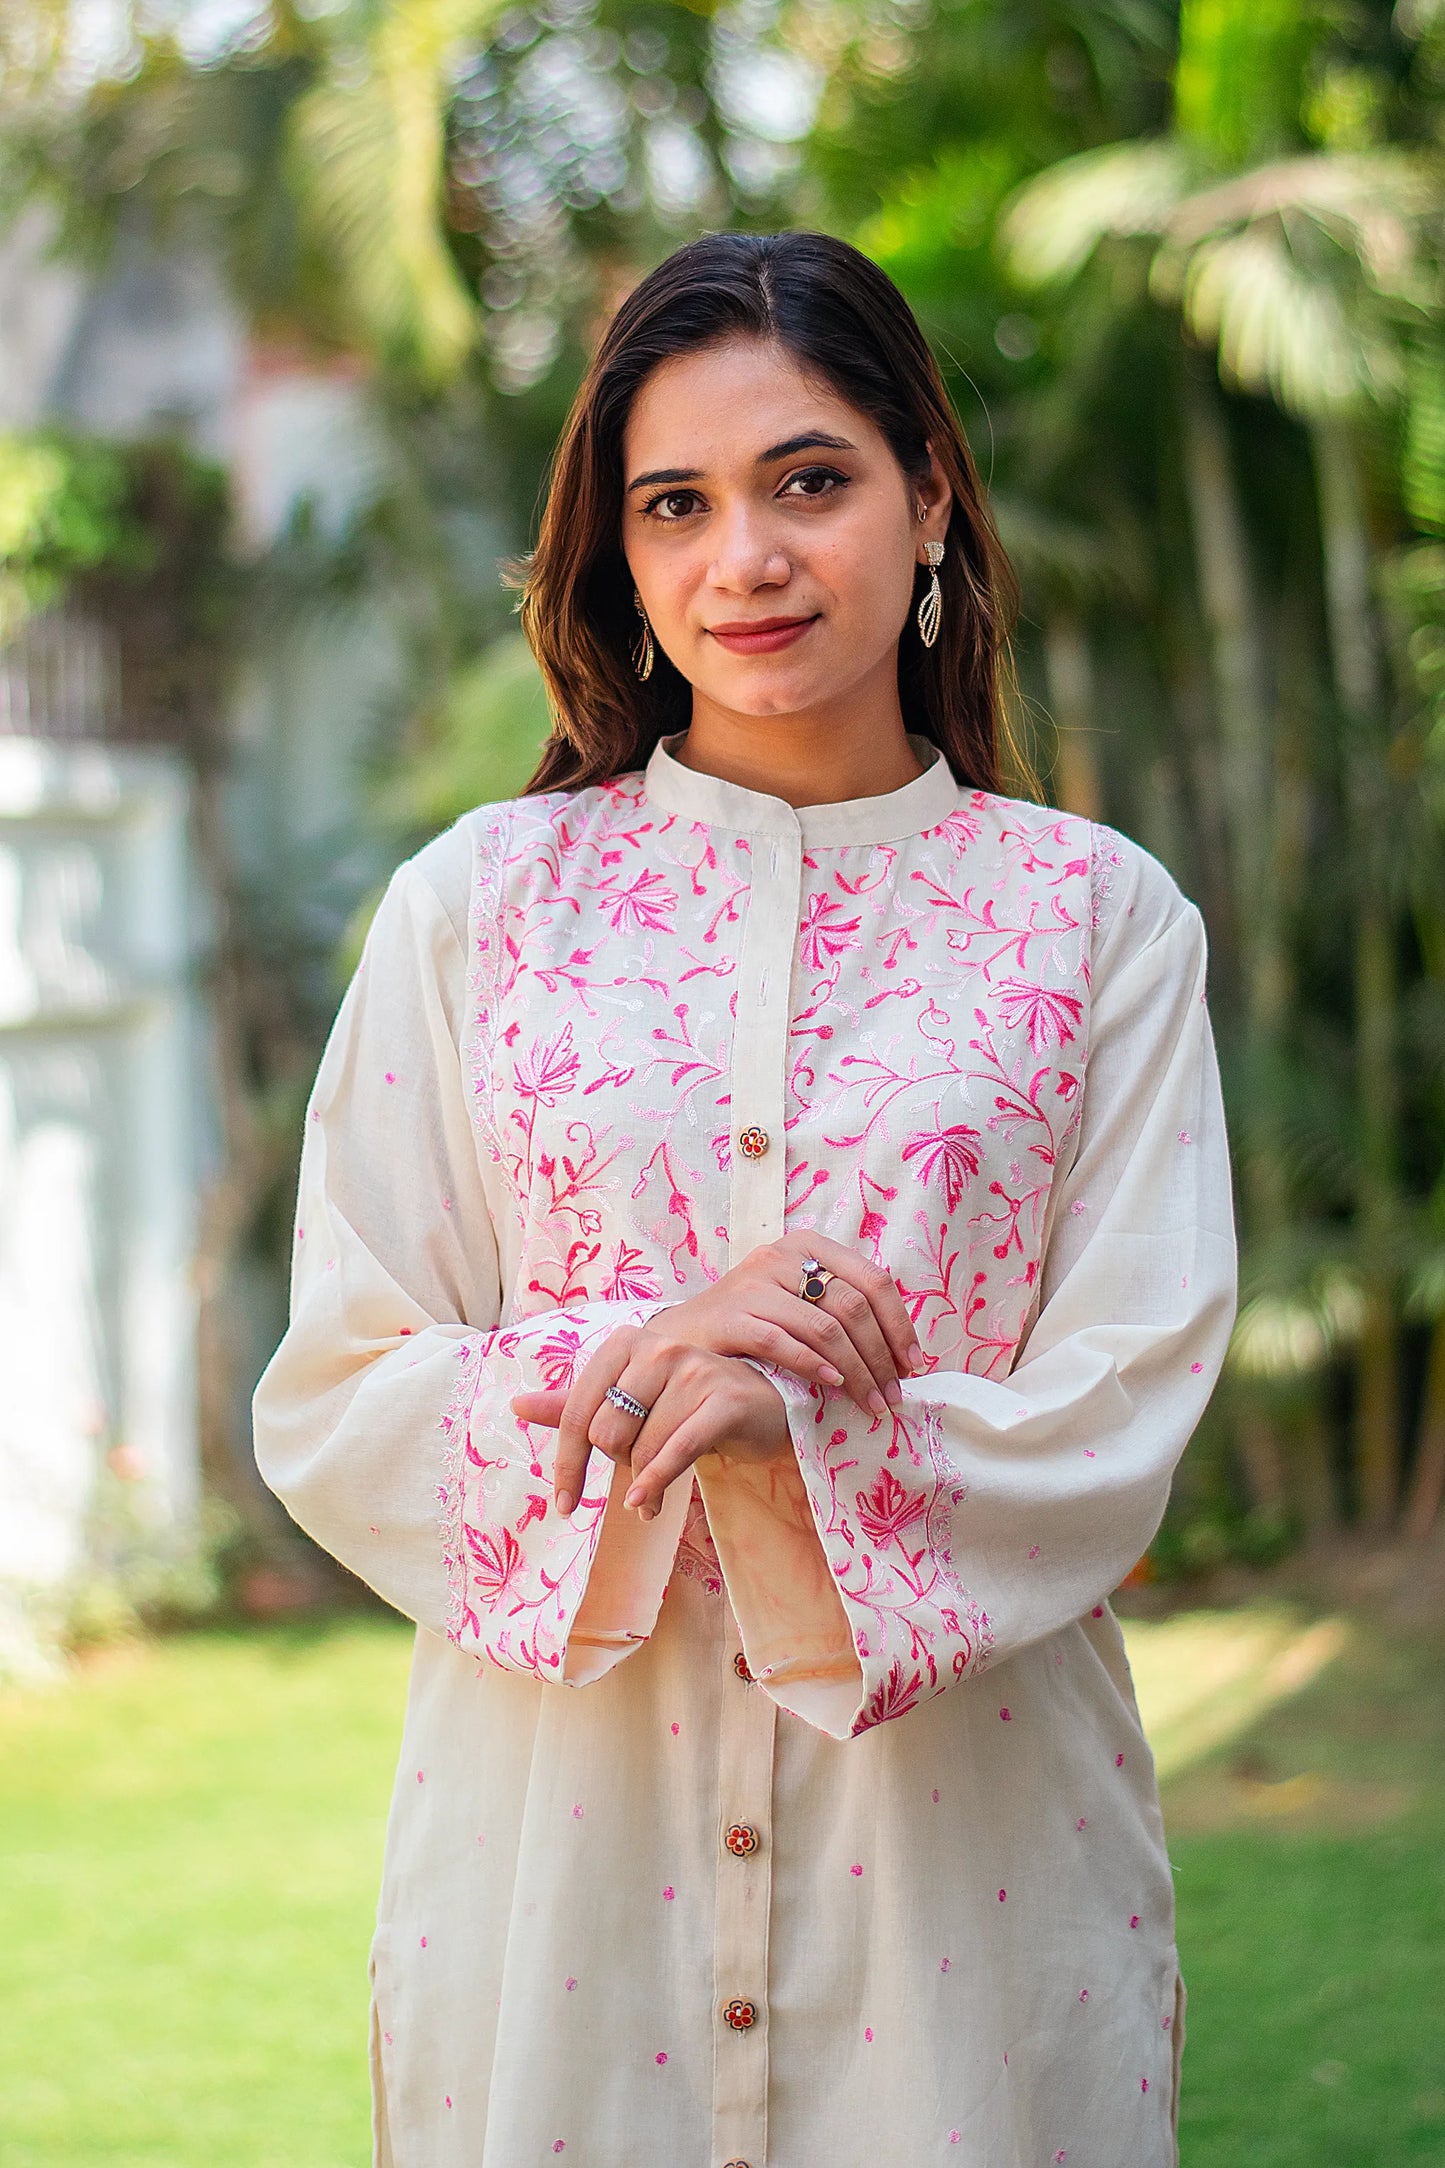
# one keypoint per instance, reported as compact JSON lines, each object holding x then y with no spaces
{"x":933,"y":1082}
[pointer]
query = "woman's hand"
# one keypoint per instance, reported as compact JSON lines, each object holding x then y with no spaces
{"x":697,"y":1403}
{"x":858,"y":1337}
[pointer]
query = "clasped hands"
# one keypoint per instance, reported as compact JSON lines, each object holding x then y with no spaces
{"x":686,"y":1369}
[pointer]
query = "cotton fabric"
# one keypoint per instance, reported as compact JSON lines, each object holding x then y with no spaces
{"x":974,"y":1033}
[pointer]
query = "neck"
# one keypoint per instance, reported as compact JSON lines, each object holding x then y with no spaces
{"x":815,"y":757}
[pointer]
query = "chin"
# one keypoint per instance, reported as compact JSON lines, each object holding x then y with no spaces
{"x":776,"y":694}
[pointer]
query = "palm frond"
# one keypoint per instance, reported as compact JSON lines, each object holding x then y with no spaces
{"x":369,"y":149}
{"x":1280,"y":329}
{"x":1124,"y":191}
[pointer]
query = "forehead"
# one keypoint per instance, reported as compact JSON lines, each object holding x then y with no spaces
{"x":722,"y":405}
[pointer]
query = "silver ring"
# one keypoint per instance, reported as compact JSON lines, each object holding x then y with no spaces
{"x":813,"y":1284}
{"x":625,"y":1401}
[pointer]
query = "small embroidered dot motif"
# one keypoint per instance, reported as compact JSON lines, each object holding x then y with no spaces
{"x":753,"y":1142}
{"x":660,"y":2057}
{"x":1003,"y":1896}
{"x":856,"y":1868}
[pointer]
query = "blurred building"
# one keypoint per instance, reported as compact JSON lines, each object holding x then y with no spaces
{"x":110,"y":1131}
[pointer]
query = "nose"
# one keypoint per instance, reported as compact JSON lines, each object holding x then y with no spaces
{"x":747,"y":552}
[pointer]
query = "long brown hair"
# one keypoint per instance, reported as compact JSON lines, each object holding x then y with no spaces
{"x":846,"y":322}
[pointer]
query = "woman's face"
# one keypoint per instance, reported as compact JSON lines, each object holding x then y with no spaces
{"x":771,"y":532}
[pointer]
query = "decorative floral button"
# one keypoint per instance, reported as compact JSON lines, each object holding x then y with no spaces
{"x":742,"y":2016}
{"x":740,"y":1666}
{"x":753,"y":1142}
{"x":742,"y":1840}
{"x":736,"y":2164}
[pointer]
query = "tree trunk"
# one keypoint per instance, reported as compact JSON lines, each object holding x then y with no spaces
{"x":1359,"y":686}
{"x":1427,"y":1486}
{"x":1070,"y":670}
{"x":1227,"y":598}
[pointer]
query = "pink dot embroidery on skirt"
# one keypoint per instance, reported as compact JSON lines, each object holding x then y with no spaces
{"x":570,"y":1984}
{"x":1002,"y":1896}
{"x":660,"y":2057}
{"x":856,"y":1868}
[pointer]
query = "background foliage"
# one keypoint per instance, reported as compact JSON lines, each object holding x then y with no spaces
{"x":1183,"y":266}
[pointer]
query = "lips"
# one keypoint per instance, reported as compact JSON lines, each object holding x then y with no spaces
{"x":760,"y":636}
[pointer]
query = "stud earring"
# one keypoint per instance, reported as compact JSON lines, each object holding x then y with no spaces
{"x":644,"y":654}
{"x":930,"y":609}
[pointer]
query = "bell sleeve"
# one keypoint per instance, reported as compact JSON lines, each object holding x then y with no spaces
{"x":898,"y":1557}
{"x":383,"y":1421}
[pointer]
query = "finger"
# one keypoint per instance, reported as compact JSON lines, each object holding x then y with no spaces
{"x":574,"y":1445}
{"x":881,"y":1289}
{"x":695,"y":1435}
{"x":854,"y":1313}
{"x":544,"y":1409}
{"x":819,"y":1347}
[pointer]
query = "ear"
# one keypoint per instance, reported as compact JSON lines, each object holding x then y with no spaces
{"x":935,"y":496}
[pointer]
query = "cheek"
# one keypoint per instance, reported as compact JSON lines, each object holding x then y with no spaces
{"x":871,"y":580}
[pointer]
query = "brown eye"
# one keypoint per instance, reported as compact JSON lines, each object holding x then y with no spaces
{"x":816,"y":482}
{"x":671,"y":504}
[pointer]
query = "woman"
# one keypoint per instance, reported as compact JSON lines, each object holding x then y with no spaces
{"x":764,"y":1240}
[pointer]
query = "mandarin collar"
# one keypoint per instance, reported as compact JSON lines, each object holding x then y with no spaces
{"x":891,"y":818}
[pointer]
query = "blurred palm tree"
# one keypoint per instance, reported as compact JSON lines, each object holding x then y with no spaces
{"x":1304,"y":278}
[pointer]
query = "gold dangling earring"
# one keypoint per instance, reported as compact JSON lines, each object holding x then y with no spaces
{"x":930,"y":609}
{"x":644,"y":654}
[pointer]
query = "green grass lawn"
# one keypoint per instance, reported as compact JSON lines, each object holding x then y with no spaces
{"x":190,"y":1835}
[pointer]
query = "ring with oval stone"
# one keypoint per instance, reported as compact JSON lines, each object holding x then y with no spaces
{"x":814,"y":1283}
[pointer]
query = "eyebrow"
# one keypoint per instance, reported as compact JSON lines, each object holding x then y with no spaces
{"x":810,"y":440}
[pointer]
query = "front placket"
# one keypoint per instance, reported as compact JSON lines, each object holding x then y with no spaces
{"x":757,"y":1200}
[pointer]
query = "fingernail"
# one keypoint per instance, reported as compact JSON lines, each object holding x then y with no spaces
{"x":830,"y":1376}
{"x":565,"y":1501}
{"x":893,"y":1394}
{"x":877,"y":1403}
{"x":634,"y":1497}
{"x":916,"y":1356}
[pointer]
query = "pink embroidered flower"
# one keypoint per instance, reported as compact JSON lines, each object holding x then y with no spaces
{"x":1052,"y":1016}
{"x":646,"y":905}
{"x":888,"y":1511}
{"x":631,"y":1279}
{"x":893,"y":1696}
{"x":948,"y":1154}
{"x":557,"y":1359}
{"x":550,"y":1070}
{"x":825,"y":932}
{"x":497,"y":1559}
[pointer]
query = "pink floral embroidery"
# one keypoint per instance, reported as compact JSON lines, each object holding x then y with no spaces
{"x":948,"y":1154}
{"x":964,"y":959}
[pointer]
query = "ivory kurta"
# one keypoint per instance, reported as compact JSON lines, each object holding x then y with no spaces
{"x":811,"y":1822}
